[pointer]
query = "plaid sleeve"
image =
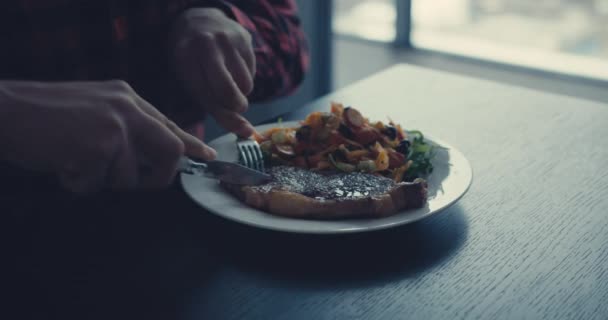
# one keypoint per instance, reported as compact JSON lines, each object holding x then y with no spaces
{"x":279,"y":43}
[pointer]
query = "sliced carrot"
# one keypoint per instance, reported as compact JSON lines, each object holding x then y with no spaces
{"x":337,"y":109}
{"x":315,"y":120}
{"x":382,"y":161}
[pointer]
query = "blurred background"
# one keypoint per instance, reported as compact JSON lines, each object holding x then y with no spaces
{"x":562,"y":36}
{"x":558,"y":46}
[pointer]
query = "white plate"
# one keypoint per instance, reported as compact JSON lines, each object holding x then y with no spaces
{"x":449,"y":181}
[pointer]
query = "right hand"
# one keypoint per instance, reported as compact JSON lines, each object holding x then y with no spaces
{"x":215,"y":60}
{"x":93,"y":135}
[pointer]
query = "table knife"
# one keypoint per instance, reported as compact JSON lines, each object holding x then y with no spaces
{"x":228,"y":172}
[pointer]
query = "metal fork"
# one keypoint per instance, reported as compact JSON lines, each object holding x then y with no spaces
{"x":250,"y":154}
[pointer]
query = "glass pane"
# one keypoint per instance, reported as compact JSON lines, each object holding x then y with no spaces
{"x":568,"y":36}
{"x":368,"y":19}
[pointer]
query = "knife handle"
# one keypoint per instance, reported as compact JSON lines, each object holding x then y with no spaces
{"x":189,"y":166}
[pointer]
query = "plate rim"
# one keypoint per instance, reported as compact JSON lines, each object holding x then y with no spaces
{"x":299,"y":230}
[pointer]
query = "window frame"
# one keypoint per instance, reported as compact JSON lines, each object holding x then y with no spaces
{"x":403,"y":24}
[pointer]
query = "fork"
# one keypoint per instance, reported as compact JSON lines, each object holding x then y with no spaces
{"x":250,"y":154}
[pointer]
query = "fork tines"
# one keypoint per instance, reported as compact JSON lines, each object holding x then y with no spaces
{"x":250,"y":154}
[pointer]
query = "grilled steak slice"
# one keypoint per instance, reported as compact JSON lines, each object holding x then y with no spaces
{"x":301,"y":193}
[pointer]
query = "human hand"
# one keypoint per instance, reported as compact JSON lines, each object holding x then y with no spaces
{"x":214,"y":59}
{"x":92,"y":135}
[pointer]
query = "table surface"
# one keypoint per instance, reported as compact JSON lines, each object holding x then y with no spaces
{"x":528,"y":241}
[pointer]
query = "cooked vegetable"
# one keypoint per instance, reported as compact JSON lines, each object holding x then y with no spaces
{"x":396,"y":159}
{"x":285,"y":151}
{"x":322,"y":165}
{"x":400,"y":172}
{"x":367,"y":166}
{"x":337,"y":109}
{"x":346,"y":131}
{"x":331,"y":121}
{"x":344,"y":167}
{"x":304,"y":133}
{"x":382,"y":160}
{"x":403,"y":147}
{"x":353,"y":118}
{"x":390,"y":132}
{"x":279,"y":137}
{"x":346,"y":141}
{"x":340,"y":155}
{"x":379,"y":125}
{"x":314,"y":120}
{"x":367,"y":135}
{"x":355,"y":155}
{"x":266,"y":146}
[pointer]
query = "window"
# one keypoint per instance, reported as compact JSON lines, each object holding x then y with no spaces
{"x":367,"y":19}
{"x":564,"y":36}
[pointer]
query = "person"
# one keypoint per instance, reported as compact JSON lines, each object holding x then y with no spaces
{"x":103,"y":93}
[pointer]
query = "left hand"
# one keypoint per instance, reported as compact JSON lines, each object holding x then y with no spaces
{"x":214,"y":59}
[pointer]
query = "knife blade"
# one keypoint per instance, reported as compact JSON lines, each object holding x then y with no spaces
{"x":228,"y":172}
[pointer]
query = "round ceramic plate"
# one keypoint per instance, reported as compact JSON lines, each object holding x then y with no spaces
{"x":450,"y":180}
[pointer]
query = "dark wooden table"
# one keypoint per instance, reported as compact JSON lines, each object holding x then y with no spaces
{"x":528,"y":241}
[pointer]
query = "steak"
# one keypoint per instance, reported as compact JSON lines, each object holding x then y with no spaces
{"x":301,"y":193}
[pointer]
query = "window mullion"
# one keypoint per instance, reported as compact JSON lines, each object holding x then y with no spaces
{"x":403,"y":24}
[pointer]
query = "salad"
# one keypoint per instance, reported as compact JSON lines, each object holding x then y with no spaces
{"x":344,"y":140}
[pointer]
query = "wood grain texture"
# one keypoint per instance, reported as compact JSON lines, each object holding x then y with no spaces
{"x":528,"y":241}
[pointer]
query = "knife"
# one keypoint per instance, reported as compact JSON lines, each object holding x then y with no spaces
{"x":228,"y":172}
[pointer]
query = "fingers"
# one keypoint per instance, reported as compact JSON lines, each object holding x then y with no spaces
{"x":158,"y":148}
{"x":226,"y":91}
{"x":233,"y":122}
{"x":236,"y":80}
{"x":239,"y":69}
{"x":248,"y":55}
{"x":192,"y":146}
{"x":240,"y":72}
{"x":218,"y":68}
{"x":190,"y":71}
{"x":159,"y":151}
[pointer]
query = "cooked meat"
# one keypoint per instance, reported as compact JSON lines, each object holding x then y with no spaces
{"x":301,"y":193}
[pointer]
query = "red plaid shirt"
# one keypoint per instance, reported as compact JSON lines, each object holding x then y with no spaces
{"x":61,"y":40}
